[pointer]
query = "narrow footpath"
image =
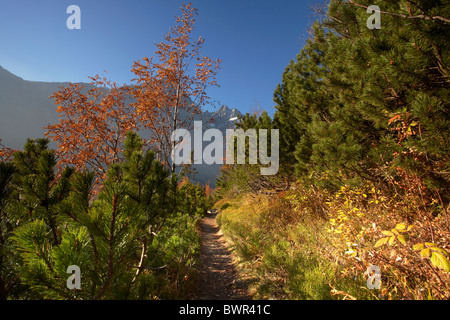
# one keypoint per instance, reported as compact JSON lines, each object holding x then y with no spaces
{"x":218,"y":278}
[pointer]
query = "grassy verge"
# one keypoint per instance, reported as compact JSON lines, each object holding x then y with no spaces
{"x":305,"y":244}
{"x":279,"y":252}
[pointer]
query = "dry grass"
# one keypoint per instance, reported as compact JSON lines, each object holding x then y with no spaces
{"x":309,"y":244}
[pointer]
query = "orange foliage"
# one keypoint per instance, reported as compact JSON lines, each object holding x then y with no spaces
{"x":5,"y":153}
{"x":209,"y":192}
{"x":163,"y":88}
{"x":183,"y":182}
{"x":92,"y":124}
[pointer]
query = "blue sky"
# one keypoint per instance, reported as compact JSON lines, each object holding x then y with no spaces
{"x":255,"y":39}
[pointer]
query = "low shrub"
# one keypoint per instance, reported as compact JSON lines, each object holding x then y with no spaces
{"x":311,"y":244}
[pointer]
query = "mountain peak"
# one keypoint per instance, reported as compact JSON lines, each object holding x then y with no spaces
{"x":223,"y":108}
{"x":225,"y":112}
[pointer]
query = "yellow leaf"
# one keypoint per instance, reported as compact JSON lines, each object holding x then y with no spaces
{"x":402,"y":239}
{"x":425,"y":253}
{"x":381,"y":241}
{"x":440,"y":250}
{"x":387,"y":233}
{"x":391,"y":240}
{"x":438,"y":260}
{"x":431,"y":244}
{"x":418,"y":246}
{"x":400,"y":226}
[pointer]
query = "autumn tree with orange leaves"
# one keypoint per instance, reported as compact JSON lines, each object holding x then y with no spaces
{"x":92,"y":124}
{"x":166,"y":95}
{"x":171,"y":90}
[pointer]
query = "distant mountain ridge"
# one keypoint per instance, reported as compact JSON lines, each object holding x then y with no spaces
{"x":26,"y":108}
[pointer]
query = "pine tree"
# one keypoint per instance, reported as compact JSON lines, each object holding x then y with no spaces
{"x":367,"y":104}
{"x":8,"y":220}
{"x":119,"y":238}
{"x":41,"y":191}
{"x":245,"y":177}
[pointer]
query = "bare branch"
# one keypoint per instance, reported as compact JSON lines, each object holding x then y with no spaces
{"x":420,"y":16}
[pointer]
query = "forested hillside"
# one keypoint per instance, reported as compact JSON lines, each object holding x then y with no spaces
{"x":364,"y":121}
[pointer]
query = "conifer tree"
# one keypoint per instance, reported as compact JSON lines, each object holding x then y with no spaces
{"x":371,"y":104}
{"x":8,"y":220}
{"x":41,"y":191}
{"x":247,"y":177}
{"x":118,"y":239}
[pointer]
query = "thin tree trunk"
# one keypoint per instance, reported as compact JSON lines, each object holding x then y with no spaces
{"x":110,"y":251}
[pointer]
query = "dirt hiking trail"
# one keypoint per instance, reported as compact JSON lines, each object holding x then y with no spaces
{"x":218,"y":278}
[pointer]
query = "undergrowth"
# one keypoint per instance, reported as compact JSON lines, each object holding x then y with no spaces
{"x":311,"y":244}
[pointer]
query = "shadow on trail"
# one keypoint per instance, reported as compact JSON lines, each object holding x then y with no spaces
{"x":218,"y":278}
